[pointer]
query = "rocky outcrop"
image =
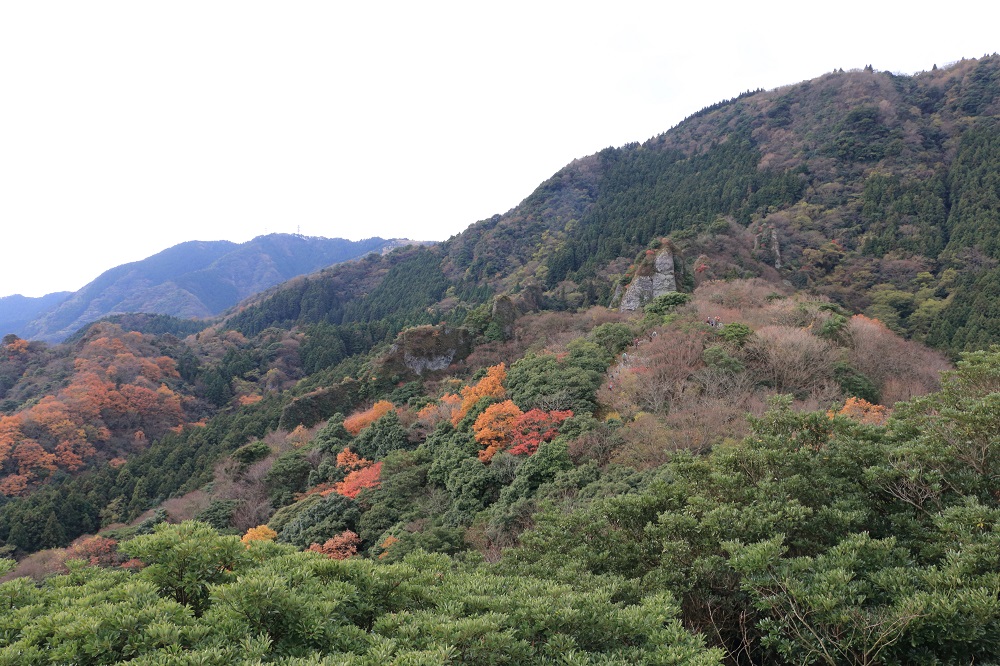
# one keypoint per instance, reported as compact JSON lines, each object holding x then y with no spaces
{"x":426,"y":349}
{"x":656,"y":275}
{"x":504,"y":314}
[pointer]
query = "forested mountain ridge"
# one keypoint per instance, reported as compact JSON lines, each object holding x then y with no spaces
{"x":865,"y":180}
{"x":195,"y":279}
{"x":459,"y":454}
{"x":875,"y":189}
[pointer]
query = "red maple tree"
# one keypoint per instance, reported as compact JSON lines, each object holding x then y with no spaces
{"x":358,"y":480}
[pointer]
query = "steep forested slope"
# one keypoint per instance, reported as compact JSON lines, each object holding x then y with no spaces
{"x":865,"y":180}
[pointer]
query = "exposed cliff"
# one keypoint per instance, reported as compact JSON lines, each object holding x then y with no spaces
{"x":658,"y":273}
{"x":426,"y":349}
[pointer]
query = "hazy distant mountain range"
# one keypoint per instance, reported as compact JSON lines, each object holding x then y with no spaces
{"x":191,"y":280}
{"x":17,"y":311}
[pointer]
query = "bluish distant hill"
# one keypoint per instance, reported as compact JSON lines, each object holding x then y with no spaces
{"x":195,"y":279}
{"x":17,"y":310}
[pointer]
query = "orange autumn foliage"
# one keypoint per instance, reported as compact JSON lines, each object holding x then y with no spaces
{"x":97,"y":551}
{"x":433,"y":413}
{"x":870,"y":321}
{"x":357,"y":422}
{"x":16,"y":347}
{"x":863,"y":411}
{"x":322,"y":490}
{"x":490,"y":386}
{"x":494,"y":428}
{"x":10,"y":435}
{"x":428,"y":411}
{"x":504,"y":426}
{"x":114,"y":392}
{"x":358,"y":480}
{"x":350,"y":461}
{"x":71,"y":453}
{"x":388,"y":543}
{"x":13,"y":485}
{"x":340,"y":547}
{"x":259,"y":533}
{"x":32,"y":460}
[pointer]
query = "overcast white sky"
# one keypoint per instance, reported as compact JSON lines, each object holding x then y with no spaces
{"x":127,"y":127}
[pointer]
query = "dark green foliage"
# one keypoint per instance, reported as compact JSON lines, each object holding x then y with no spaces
{"x":833,"y":327}
{"x":547,"y":382}
{"x":322,"y":520}
{"x":218,"y":514}
{"x":974,"y":217}
{"x":613,"y":337}
{"x":665,"y":303}
{"x":542,"y":467}
{"x":435,"y":539}
{"x":217,"y":388}
{"x":251,"y":453}
{"x":312,"y":407}
{"x":381,"y":437}
{"x":478,"y":319}
{"x":982,"y":88}
{"x":907,"y":216}
{"x":324,"y":347}
{"x":648,"y":192}
{"x":410,"y":281}
{"x":414,"y":282}
{"x":404,"y":499}
{"x":333,"y":437}
{"x":971,"y":320}
{"x":862,"y":136}
{"x":472,"y":487}
{"x":736,"y":333}
{"x":151,"y":324}
{"x":53,"y":535}
{"x":183,"y":560}
{"x":287,"y":477}
{"x":718,"y":357}
{"x":854,"y":383}
{"x":293,"y":608}
{"x":287,"y":514}
{"x":780,"y":114}
{"x":405,"y":393}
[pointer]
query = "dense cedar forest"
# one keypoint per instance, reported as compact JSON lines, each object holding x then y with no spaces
{"x":460,"y":454}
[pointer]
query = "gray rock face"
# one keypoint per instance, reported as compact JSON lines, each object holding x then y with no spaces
{"x":664,"y":279}
{"x":645,"y":288}
{"x":425,"y":349}
{"x":639,"y":292}
{"x":422,"y":364}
